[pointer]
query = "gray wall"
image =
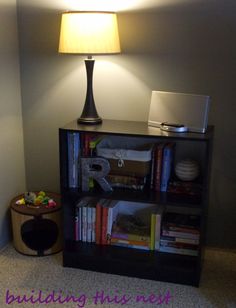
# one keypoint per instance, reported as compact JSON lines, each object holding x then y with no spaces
{"x":12,"y":176}
{"x":185,"y":46}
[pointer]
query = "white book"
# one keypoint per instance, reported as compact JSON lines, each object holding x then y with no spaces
{"x":80,"y":224}
{"x":93,"y":224}
{"x":113,"y":210}
{"x":84,"y":224}
{"x":89,"y":224}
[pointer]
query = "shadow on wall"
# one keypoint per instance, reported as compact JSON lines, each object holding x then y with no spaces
{"x":5,"y":228}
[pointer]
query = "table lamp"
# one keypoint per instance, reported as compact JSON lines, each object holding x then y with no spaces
{"x":89,"y":33}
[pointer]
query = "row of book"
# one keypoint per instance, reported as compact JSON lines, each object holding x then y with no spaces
{"x":161,"y":176}
{"x":180,"y":234}
{"x":136,"y":225}
{"x":94,"y":219}
{"x":119,"y":223}
{"x":162,"y":165}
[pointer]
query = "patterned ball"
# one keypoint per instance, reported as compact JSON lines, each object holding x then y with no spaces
{"x":187,"y":170}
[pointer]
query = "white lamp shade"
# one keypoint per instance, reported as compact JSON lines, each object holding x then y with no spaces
{"x":89,"y":33}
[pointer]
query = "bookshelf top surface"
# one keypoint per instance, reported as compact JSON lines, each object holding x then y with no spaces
{"x":119,"y":127}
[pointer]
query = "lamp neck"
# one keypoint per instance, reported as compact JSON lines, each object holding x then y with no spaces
{"x":90,"y":57}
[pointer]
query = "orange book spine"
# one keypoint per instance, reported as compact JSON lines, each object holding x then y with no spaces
{"x":104,"y":225}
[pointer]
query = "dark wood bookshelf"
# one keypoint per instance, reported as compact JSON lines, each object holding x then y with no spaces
{"x":153,"y":265}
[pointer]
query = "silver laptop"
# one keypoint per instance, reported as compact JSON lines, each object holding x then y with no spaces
{"x":189,"y":110}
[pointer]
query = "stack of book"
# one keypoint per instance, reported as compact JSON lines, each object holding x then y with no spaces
{"x":180,"y":234}
{"x":134,"y":231}
{"x":127,"y":181}
{"x":187,"y":188}
{"x":129,"y":231}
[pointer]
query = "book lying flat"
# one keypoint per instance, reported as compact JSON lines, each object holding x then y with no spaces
{"x":181,"y":251}
{"x":132,"y":246}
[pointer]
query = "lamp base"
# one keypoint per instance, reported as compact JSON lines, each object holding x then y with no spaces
{"x":89,"y":114}
{"x":90,"y":121}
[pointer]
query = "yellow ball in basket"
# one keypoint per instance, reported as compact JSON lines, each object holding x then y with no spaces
{"x":187,"y":170}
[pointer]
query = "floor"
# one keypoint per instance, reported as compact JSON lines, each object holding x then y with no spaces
{"x":43,"y":282}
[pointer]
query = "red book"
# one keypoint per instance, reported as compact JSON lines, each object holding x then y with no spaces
{"x":104,"y":225}
{"x":98,"y":223}
{"x":158,"y":160}
{"x":99,"y":220}
{"x":87,"y":138}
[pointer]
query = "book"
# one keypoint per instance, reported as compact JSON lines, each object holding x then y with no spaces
{"x":153,"y":229}
{"x":93,"y":222}
{"x":73,"y":140}
{"x":178,"y":245}
{"x":113,"y":210}
{"x":84,"y":223}
{"x":109,"y":214}
{"x":181,"y":222}
{"x":170,"y":227}
{"x":153,"y":165}
{"x":91,"y":218}
{"x":104,"y":223}
{"x":80,"y":227}
{"x":131,"y":237}
{"x":158,"y":220}
{"x":98,"y":221}
{"x":158,"y":166}
{"x":132,"y":246}
{"x":181,"y":251}
{"x":77,"y":224}
{"x":179,"y":240}
{"x":126,"y":181}
{"x":130,"y":242}
{"x":185,"y":235}
{"x":89,"y":223}
{"x":185,"y":188}
{"x":86,"y":140}
{"x":167,"y":160}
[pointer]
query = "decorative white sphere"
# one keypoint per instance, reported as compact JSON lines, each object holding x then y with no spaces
{"x":187,"y":169}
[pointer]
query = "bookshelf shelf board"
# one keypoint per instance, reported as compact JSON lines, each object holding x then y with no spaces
{"x":128,"y":128}
{"x":146,"y":196}
{"x":132,"y":262}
